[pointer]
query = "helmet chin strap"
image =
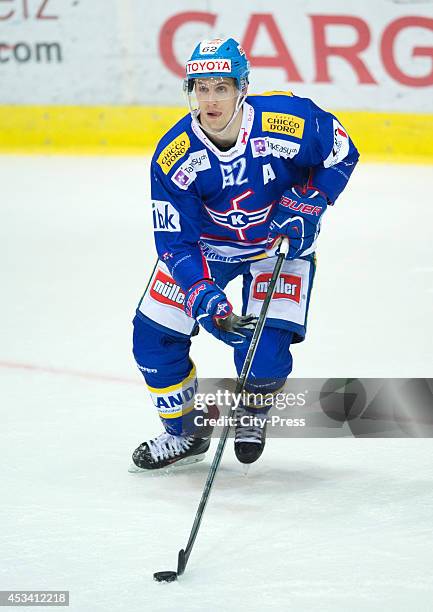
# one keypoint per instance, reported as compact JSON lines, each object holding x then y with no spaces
{"x":195,"y":114}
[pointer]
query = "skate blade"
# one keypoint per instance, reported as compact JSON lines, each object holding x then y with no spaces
{"x":134,"y":469}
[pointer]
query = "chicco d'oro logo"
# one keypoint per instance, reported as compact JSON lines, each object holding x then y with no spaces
{"x":283,"y":124}
{"x":174,"y":151}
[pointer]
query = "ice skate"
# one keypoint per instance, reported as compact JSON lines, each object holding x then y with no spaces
{"x":250,"y":435}
{"x":167,"y":450}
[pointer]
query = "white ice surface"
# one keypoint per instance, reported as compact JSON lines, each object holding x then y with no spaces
{"x":335,"y":524}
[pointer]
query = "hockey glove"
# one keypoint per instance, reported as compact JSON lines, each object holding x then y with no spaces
{"x":206,"y":303}
{"x":298,"y":217}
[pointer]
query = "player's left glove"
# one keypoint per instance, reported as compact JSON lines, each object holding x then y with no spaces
{"x":298,"y":218}
{"x":208,"y":304}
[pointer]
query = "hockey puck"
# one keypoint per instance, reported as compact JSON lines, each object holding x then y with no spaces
{"x":165,"y":576}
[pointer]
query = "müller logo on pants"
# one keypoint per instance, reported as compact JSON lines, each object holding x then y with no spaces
{"x":165,"y":290}
{"x":288,"y":287}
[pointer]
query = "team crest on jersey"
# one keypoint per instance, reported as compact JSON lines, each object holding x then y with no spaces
{"x":238,"y":219}
{"x":173,"y":152}
{"x":187,"y":172}
{"x":282,"y":123}
{"x":288,"y":287}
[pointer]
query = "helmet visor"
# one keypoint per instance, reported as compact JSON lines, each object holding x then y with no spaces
{"x":210,"y":89}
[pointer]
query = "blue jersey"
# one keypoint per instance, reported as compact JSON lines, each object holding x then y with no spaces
{"x":210,"y":204}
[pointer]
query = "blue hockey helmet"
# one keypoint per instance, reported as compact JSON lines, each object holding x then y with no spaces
{"x":218,"y":58}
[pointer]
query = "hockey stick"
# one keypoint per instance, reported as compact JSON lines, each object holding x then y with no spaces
{"x":184,"y":554}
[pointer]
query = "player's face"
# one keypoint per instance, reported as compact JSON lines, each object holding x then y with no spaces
{"x":216,"y":98}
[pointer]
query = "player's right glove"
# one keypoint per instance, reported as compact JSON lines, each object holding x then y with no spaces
{"x":208,"y":304}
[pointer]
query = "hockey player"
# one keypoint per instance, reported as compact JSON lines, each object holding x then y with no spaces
{"x":228,"y":181}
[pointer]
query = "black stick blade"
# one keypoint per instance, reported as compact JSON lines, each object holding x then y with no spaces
{"x":165,"y":576}
{"x":181,"y":562}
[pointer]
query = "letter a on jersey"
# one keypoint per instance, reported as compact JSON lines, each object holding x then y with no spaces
{"x":268,"y":174}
